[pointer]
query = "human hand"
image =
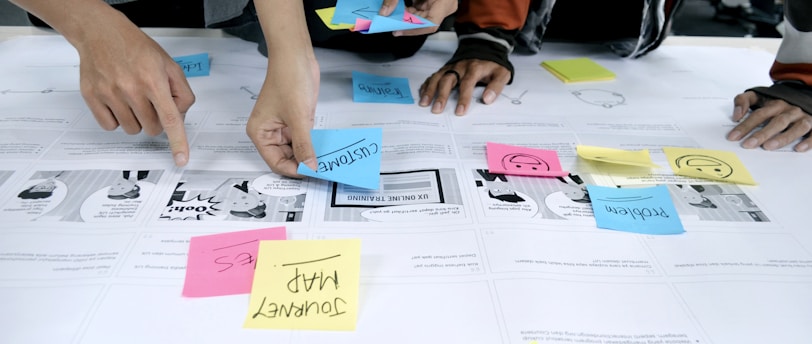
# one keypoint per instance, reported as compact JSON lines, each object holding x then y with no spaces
{"x":280,"y":123}
{"x":434,"y":11}
{"x":437,"y":87}
{"x":128,"y":80}
{"x":782,"y":122}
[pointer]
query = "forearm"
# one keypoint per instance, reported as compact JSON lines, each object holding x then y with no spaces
{"x":72,"y":18}
{"x":285,"y":30}
{"x":486,"y":30}
{"x":794,"y":58}
{"x":792,"y":69}
{"x":506,"y":14}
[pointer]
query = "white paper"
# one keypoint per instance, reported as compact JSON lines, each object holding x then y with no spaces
{"x":96,"y":225}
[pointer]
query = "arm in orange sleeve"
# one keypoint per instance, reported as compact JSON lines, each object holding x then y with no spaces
{"x":486,"y":30}
{"x":791,"y":71}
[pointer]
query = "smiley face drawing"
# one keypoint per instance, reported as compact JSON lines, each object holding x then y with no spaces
{"x":606,"y":99}
{"x":521,"y":162}
{"x":705,"y":164}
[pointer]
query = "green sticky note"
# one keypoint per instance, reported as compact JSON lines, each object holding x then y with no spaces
{"x":578,"y":70}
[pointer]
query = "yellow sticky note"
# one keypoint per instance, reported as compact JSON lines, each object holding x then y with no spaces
{"x":616,"y":156}
{"x":326,"y":16}
{"x":577,"y":70}
{"x":708,"y":164}
{"x":306,"y":285}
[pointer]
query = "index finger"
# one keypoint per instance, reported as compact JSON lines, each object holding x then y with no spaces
{"x":172,"y":122}
{"x":742,"y":103}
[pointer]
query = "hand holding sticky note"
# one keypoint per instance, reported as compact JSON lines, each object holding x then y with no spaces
{"x":363,"y":15}
{"x":347,"y":156}
{"x":347,"y":11}
{"x":388,"y":24}
{"x":306,"y":285}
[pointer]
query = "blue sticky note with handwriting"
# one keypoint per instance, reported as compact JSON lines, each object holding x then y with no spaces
{"x":348,"y":10}
{"x":370,"y":88}
{"x":647,"y":210}
{"x":194,"y":65}
{"x":388,"y":24}
{"x":347,"y":156}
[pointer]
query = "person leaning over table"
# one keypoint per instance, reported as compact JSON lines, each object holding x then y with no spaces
{"x":776,"y":116}
{"x":128,"y":80}
{"x":489,"y":31}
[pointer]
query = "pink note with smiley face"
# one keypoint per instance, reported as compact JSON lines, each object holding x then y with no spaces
{"x":523,"y":161}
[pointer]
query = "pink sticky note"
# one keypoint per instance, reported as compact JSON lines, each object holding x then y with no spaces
{"x":362,"y":25}
{"x":523,"y":161}
{"x":411,"y":18}
{"x":223,"y":264}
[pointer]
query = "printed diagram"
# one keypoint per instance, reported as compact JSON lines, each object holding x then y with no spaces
{"x":254,"y":96}
{"x":4,"y":176}
{"x":533,"y":197}
{"x":604,"y":98}
{"x":517,"y":100}
{"x":715,"y":202}
{"x":82,"y":196}
{"x":236,"y":196}
{"x":126,"y":188}
{"x":692,"y":194}
{"x":42,"y":189}
{"x":508,"y":196}
{"x":405,"y":196}
{"x":575,"y":189}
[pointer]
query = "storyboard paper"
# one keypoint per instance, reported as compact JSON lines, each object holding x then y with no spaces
{"x":97,"y":225}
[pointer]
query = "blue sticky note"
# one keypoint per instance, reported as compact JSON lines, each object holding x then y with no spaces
{"x":640,"y":210}
{"x":194,"y":65}
{"x":347,"y":156}
{"x":388,"y":24}
{"x":370,"y":88}
{"x":348,"y":10}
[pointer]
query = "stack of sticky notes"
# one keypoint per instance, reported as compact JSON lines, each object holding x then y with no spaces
{"x":578,"y":70}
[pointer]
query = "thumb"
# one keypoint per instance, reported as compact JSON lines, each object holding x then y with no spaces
{"x":302,"y":145}
{"x":387,"y":7}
